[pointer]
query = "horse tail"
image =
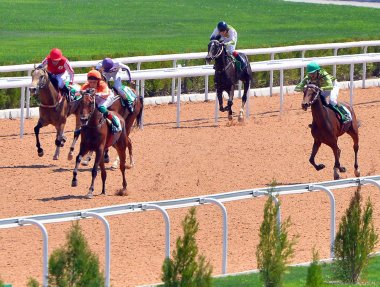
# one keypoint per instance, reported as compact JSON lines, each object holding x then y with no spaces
{"x":139,"y":115}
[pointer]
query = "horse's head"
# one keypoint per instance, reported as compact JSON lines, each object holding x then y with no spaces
{"x":310,"y":95}
{"x":87,"y":106}
{"x":215,"y":49}
{"x":40,"y":79}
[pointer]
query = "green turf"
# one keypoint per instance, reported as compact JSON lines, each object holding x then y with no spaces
{"x":296,"y":277}
{"x":87,"y":30}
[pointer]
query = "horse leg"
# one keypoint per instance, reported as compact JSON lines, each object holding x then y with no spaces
{"x":81,"y":153}
{"x":220,"y":100}
{"x":76,"y":136}
{"x":122,"y":156}
{"x":355,"y":137}
{"x":243,"y":101}
{"x":337,"y":166}
{"x":59,"y":140}
{"x":104,"y":176}
{"x":314,"y":151}
{"x":230,"y":102}
{"x":39,"y":125}
{"x":87,"y":159}
{"x":106,"y":156}
{"x":94,"y":172}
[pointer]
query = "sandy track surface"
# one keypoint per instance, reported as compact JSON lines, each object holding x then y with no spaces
{"x":196,"y":159}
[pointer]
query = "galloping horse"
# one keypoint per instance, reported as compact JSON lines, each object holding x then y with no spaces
{"x":226,"y":76}
{"x":54,"y":109}
{"x":96,"y":136}
{"x":326,"y":128}
{"x":129,"y":118}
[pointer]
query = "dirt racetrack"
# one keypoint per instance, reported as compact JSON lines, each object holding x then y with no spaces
{"x":194,"y":160}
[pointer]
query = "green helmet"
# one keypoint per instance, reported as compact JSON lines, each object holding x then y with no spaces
{"x":312,"y":67}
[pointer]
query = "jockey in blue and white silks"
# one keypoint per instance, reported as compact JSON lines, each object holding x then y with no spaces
{"x":111,"y":70}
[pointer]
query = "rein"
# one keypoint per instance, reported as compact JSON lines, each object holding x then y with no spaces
{"x":45,"y":85}
{"x":315,"y":97}
{"x":102,"y":120}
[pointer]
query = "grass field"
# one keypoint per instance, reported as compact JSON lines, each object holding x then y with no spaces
{"x":296,"y":277}
{"x":93,"y":29}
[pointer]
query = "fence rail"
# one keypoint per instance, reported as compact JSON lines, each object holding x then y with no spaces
{"x":162,"y":206}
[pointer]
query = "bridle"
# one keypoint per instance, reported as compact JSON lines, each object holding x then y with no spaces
{"x":316,"y":91}
{"x":218,"y":54}
{"x":86,"y":120}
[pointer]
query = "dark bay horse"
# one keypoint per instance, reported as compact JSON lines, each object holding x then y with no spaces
{"x":226,"y":76}
{"x":54,"y":110}
{"x":326,"y":128}
{"x":130,"y":119}
{"x":96,"y":136}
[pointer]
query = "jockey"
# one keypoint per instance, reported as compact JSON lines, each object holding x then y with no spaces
{"x":329,"y":86}
{"x":59,"y":67}
{"x":111,"y":69}
{"x":104,"y":96}
{"x":228,"y":35}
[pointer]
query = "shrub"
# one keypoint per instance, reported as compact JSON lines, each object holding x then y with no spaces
{"x":75,"y":264}
{"x":184,"y":269}
{"x":314,"y":272}
{"x":355,"y":240}
{"x":274,"y":249}
{"x":32,"y":283}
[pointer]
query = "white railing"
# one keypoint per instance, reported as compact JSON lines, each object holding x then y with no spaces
{"x":207,"y":70}
{"x":162,"y":206}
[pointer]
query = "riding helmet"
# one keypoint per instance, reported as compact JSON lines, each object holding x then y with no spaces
{"x":94,"y":74}
{"x":107,"y":64}
{"x":222,"y":26}
{"x":55,"y":54}
{"x":312,"y":67}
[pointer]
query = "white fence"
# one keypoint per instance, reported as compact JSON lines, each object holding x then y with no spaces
{"x":162,"y":206}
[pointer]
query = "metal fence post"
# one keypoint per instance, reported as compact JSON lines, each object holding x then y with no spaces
{"x":138,"y":81}
{"x":108,"y":243}
{"x":351,"y":85}
{"x":28,"y":98}
{"x":271,"y":77}
{"x":173,"y":81}
{"x":179,"y":103}
{"x":167,"y":225}
{"x":22,"y":110}
{"x":334,"y":66}
{"x":364,"y":75}
{"x":281,"y":91}
{"x":143,"y":96}
{"x":45,"y":267}
{"x":206,"y":88}
{"x":303,"y":69}
{"x":332,"y":214}
{"x":225,"y":229}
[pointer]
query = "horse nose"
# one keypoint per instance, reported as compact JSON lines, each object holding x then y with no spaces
{"x":304,"y":106}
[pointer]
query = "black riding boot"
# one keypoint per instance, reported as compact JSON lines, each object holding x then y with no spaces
{"x":66,"y":92}
{"x":242,"y":62}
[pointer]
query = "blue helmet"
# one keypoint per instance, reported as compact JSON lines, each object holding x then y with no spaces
{"x":222,"y":26}
{"x":107,"y":64}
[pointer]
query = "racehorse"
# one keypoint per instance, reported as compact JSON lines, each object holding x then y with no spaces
{"x":326,"y":128}
{"x":226,"y":76}
{"x":129,"y":118}
{"x":96,"y":136}
{"x":54,"y":109}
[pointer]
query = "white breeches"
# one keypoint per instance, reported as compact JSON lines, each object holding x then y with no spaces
{"x":333,"y":94}
{"x":105,"y":102}
{"x":230,"y":49}
{"x":61,"y":78}
{"x":117,"y":82}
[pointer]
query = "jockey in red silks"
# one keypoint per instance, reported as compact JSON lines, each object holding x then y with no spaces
{"x":59,"y":67}
{"x":228,"y":36}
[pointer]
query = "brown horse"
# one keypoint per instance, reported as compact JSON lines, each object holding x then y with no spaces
{"x":326,"y":128}
{"x":129,"y":118}
{"x":54,"y":109}
{"x":96,"y":136}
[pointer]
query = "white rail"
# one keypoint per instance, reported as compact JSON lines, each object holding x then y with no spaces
{"x":162,"y":206}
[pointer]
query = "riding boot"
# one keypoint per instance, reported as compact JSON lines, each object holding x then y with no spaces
{"x":116,"y":126}
{"x":130,"y":107}
{"x":342,"y":115}
{"x":66,"y":92}
{"x":243,"y":64}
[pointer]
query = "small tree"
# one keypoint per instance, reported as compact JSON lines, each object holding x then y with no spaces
{"x":355,"y":240}
{"x":184,"y":269}
{"x":314,"y":272}
{"x":74,"y":264}
{"x":274,"y":249}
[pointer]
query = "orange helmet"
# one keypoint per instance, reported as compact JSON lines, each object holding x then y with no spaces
{"x":55,"y":54}
{"x":94,"y":74}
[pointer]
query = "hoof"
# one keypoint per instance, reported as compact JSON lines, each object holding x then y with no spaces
{"x":85,"y":162}
{"x":116,"y":164}
{"x":320,"y":166}
{"x":122,"y":192}
{"x":41,"y":153}
{"x":342,"y":169}
{"x":70,"y":156}
{"x":74,"y":183}
{"x":107,"y":159}
{"x":89,"y":195}
{"x":103,"y":193}
{"x":336,"y":174}
{"x":357,"y":173}
{"x":55,"y":157}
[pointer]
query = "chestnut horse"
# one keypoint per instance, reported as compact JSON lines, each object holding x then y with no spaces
{"x":96,"y":136}
{"x":226,"y":76}
{"x":130,"y":119}
{"x":326,"y":128}
{"x":54,"y":109}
